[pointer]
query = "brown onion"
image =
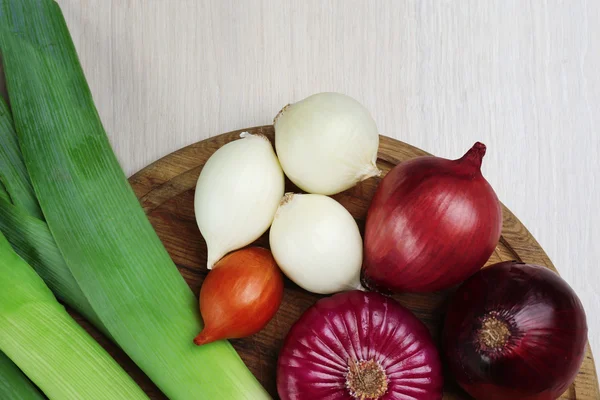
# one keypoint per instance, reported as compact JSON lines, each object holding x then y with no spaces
{"x":432,"y":223}
{"x":240,"y":295}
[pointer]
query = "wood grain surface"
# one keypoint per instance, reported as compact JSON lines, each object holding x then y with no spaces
{"x":166,"y":190}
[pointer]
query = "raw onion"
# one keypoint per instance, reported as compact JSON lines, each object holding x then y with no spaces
{"x":237,"y":194}
{"x":432,"y":223}
{"x":515,"y":331}
{"x":358,"y":345}
{"x":240,"y":295}
{"x":326,"y":143}
{"x":317,"y":244}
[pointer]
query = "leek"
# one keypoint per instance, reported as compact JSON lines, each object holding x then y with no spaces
{"x":13,"y":171}
{"x":14,"y":385}
{"x":3,"y":193}
{"x":32,"y":240}
{"x":107,"y":242}
{"x":28,"y":234}
{"x":38,"y":335}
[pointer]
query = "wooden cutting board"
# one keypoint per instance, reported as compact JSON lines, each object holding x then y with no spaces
{"x":166,"y":191}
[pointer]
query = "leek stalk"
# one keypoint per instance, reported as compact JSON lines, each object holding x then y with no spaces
{"x":32,"y":240}
{"x":21,"y":223}
{"x":14,"y":385}
{"x":107,"y":242}
{"x":29,"y":235}
{"x":57,"y":354}
{"x":13,"y":172}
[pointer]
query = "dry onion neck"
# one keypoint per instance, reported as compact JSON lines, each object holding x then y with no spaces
{"x":280,"y":113}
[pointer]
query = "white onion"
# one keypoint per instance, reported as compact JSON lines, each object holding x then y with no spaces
{"x":237,"y":194}
{"x":326,"y":143}
{"x":317,"y":244}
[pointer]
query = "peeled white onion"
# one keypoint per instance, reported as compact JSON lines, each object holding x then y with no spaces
{"x":327,"y":143}
{"x":317,"y":244}
{"x":237,"y":195}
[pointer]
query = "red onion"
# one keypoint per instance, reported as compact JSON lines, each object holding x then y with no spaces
{"x":515,"y":331}
{"x":432,"y":223}
{"x":357,"y":345}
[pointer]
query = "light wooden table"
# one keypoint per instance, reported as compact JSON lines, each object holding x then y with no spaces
{"x":523,"y":77}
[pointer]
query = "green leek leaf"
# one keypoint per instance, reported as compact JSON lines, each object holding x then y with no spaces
{"x":26,"y":232}
{"x":14,"y":385}
{"x":32,"y":240}
{"x":13,"y":173}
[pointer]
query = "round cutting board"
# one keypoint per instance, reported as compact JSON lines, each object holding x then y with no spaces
{"x":166,"y":192}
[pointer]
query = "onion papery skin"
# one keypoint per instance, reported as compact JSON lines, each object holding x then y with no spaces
{"x":326,"y":143}
{"x":432,"y":223}
{"x":318,"y":351}
{"x":547,"y":333}
{"x":240,"y":295}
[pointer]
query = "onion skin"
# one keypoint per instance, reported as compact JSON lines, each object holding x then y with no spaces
{"x":317,"y":244}
{"x":326,"y":143}
{"x":433,"y":222}
{"x":317,"y":354}
{"x":547,"y":326}
{"x":240,"y":295}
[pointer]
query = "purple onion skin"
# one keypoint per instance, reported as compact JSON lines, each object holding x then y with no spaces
{"x":547,"y":327}
{"x":314,"y":361}
{"x":432,"y":223}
